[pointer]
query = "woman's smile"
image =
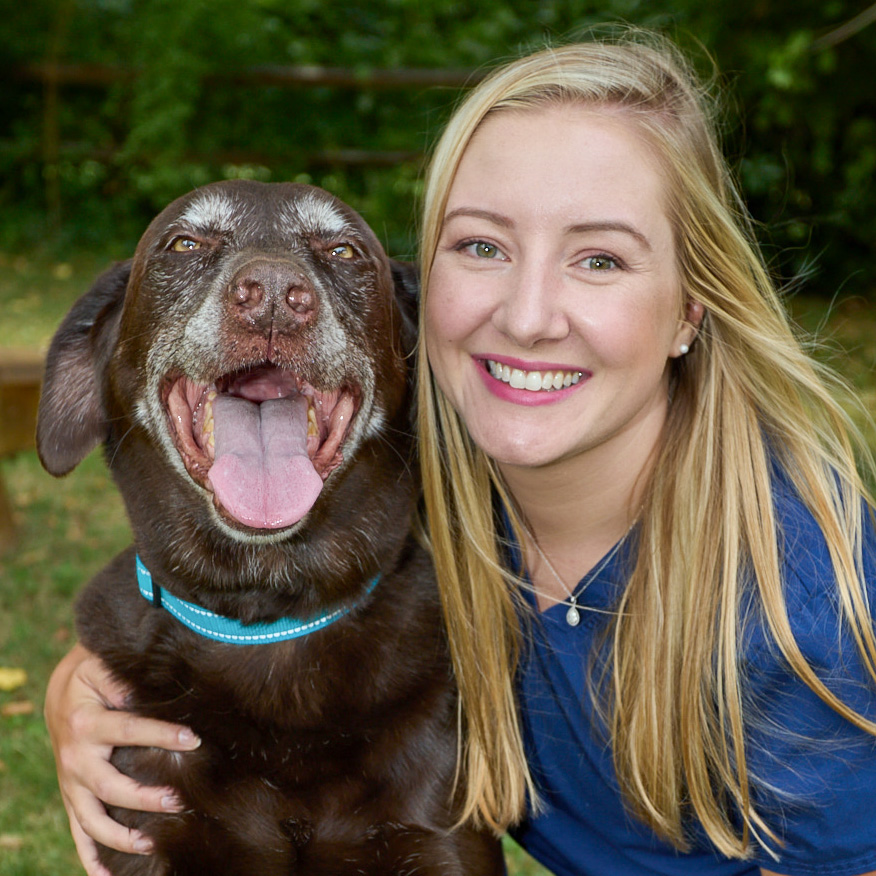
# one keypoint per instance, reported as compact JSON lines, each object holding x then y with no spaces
{"x":529,"y":383}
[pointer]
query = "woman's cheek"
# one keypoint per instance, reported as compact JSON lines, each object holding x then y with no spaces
{"x":438,"y":335}
{"x":448,"y":315}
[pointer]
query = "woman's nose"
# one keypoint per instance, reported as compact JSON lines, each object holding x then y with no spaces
{"x":530,"y":308}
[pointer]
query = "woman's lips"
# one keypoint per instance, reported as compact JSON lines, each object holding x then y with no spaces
{"x":524,"y":383}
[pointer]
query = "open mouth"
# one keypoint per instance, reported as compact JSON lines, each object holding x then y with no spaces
{"x":262,"y":440}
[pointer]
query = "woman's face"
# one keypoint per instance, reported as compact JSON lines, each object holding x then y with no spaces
{"x":554,"y":302}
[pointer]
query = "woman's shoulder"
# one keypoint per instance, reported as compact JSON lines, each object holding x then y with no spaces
{"x":804,"y":550}
{"x":813,"y":771}
{"x":812,"y":599}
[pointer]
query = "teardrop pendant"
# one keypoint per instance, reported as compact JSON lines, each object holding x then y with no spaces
{"x":573,"y":618}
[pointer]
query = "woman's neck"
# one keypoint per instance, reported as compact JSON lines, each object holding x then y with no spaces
{"x":576,"y":509}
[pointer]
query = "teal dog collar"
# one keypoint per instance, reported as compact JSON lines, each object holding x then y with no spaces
{"x":234,"y":632}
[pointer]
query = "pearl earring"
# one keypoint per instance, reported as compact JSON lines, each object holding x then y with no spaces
{"x":684,"y":349}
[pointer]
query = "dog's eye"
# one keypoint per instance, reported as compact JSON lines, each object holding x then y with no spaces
{"x":185,"y":244}
{"x":343,"y":251}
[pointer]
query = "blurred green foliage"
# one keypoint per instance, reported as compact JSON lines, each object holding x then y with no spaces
{"x":85,"y":165}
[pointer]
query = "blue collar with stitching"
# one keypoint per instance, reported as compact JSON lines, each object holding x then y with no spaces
{"x":234,"y":632}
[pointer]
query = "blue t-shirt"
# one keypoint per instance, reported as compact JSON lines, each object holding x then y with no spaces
{"x":816,"y":772}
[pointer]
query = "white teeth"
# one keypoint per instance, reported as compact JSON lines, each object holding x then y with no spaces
{"x":534,"y":381}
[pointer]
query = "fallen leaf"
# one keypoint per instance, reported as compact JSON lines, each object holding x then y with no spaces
{"x":10,"y":679}
{"x":11,"y":841}
{"x":23,"y":707}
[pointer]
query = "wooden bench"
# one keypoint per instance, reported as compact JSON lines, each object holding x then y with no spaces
{"x":21,"y":374}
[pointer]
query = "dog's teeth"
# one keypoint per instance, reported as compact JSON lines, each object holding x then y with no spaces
{"x":207,"y":423}
{"x":209,"y":398}
{"x":312,"y":428}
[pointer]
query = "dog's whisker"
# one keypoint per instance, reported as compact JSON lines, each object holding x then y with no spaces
{"x":119,"y":445}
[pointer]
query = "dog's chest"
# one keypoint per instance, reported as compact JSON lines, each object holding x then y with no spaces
{"x":286,"y":766}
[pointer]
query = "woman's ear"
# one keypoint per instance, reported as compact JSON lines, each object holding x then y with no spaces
{"x":688,"y":327}
{"x":694,"y":312}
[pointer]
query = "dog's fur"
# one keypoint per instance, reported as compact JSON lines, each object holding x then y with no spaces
{"x":329,"y":754}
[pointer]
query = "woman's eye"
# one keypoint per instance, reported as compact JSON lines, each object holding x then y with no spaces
{"x":483,"y":250}
{"x":185,"y":244}
{"x":599,"y":263}
{"x":343,"y":251}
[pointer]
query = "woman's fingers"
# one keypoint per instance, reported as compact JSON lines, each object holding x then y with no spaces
{"x":105,"y":831}
{"x":94,"y":724}
{"x":97,"y":825}
{"x":86,"y":706}
{"x":88,"y":780}
{"x":87,"y":851}
{"x":84,"y":750}
{"x":85,"y":723}
{"x":110,"y":787}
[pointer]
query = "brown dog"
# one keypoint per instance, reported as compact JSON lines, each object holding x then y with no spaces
{"x":246,"y":373}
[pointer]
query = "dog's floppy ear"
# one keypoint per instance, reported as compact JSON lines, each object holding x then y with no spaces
{"x":71,"y":420}
{"x":406,"y":279}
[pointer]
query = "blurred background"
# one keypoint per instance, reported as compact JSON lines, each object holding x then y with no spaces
{"x":111,"y":108}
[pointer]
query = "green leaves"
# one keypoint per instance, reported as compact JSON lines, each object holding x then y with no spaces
{"x":185,"y":107}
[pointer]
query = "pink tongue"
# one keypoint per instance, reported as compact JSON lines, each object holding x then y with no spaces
{"x":262,"y":474}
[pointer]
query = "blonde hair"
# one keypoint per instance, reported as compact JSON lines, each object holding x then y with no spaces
{"x":745,"y":398}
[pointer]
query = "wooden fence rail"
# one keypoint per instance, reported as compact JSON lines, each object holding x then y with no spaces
{"x":299,"y":76}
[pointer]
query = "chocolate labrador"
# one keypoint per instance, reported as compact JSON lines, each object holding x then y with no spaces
{"x":247,"y":373}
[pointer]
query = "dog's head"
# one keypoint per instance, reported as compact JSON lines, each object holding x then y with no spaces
{"x":253,"y":346}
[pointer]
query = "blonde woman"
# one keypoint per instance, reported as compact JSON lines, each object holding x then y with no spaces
{"x":624,"y":445}
{"x":655,"y":550}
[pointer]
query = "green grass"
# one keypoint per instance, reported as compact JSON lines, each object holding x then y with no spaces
{"x":36,"y":292}
{"x":67,"y":529}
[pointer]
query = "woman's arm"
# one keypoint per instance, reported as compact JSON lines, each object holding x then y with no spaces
{"x":86,"y":719}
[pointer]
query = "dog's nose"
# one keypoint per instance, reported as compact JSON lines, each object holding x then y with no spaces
{"x":266,"y":291}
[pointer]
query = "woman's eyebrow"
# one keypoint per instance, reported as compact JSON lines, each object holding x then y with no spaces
{"x":623,"y":227}
{"x":488,"y":215}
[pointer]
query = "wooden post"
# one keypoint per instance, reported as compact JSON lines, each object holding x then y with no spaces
{"x":21,"y":374}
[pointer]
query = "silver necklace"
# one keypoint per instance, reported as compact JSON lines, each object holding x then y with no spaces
{"x":573,"y":614}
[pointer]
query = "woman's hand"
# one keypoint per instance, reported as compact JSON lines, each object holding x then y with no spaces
{"x":86,"y":719}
